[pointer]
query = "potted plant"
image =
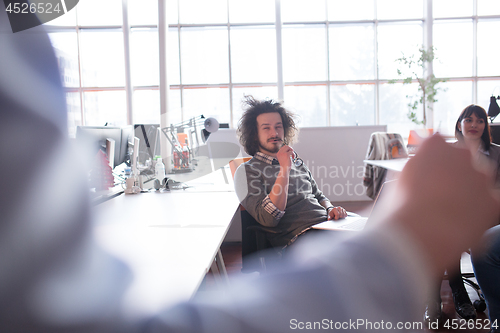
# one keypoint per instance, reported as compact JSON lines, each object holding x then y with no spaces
{"x":414,"y":69}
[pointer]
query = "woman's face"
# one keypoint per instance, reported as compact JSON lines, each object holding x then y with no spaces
{"x":472,"y":127}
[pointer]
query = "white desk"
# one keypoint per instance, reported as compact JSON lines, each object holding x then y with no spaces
{"x":169,"y":239}
{"x":395,"y":165}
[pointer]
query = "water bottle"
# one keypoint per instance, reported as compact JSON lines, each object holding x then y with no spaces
{"x":185,"y":153}
{"x":159,"y":169}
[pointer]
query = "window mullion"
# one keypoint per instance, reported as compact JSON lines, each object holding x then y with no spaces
{"x":474,"y":50}
{"x":231,"y":120}
{"x":128,"y":76}
{"x":279,"y":50}
{"x":328,"y":116}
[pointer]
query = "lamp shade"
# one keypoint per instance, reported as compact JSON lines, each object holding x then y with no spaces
{"x":211,"y":125}
{"x":493,"y":109}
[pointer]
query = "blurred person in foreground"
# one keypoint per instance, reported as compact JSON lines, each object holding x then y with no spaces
{"x":53,"y":277}
{"x":472,"y":132}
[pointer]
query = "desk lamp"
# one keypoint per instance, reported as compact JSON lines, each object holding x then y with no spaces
{"x":210,"y":125}
{"x":493,"y":109}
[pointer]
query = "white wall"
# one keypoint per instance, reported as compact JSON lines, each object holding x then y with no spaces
{"x":335,"y":157}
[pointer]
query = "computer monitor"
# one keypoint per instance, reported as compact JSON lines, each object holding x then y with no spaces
{"x":127,"y":137}
{"x":95,"y":137}
{"x":149,"y":144}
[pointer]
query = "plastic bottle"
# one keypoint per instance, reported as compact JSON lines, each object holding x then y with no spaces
{"x":177,"y":156}
{"x":159,"y":169}
{"x":185,"y":152}
{"x":155,"y":159}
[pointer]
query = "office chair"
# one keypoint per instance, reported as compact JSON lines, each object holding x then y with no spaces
{"x":255,"y":248}
{"x":256,"y":251}
{"x":480,"y":303}
{"x":416,"y":137}
{"x":382,"y":146}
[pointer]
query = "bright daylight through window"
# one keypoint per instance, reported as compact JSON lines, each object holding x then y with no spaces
{"x":329,"y":60}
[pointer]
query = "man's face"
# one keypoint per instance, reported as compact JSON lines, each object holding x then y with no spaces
{"x":271,"y":132}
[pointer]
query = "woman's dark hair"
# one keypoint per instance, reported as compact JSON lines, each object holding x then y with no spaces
{"x":247,"y":126}
{"x":480,"y":113}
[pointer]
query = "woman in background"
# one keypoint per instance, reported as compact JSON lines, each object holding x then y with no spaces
{"x":473,"y":132}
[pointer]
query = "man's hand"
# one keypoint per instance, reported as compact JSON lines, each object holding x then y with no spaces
{"x":284,"y":156}
{"x":443,"y":202}
{"x":279,"y":192}
{"x":337,"y":213}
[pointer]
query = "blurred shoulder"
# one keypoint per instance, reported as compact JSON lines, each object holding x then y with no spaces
{"x":494,"y":147}
{"x":494,"y":151}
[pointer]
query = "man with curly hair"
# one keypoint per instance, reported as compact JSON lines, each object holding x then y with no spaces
{"x":277,"y":192}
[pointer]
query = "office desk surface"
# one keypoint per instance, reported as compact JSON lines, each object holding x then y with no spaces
{"x":395,"y":165}
{"x":169,"y":239}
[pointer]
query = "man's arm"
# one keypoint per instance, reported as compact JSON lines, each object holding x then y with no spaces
{"x":267,"y":209}
{"x":250,"y":186}
{"x":279,"y":191}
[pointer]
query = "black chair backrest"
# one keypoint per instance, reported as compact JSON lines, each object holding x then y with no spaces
{"x":256,"y":250}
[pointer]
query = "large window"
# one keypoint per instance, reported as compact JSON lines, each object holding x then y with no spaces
{"x":463,"y":34}
{"x":329,"y":60}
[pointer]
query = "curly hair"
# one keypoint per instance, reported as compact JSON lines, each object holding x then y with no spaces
{"x":480,"y":113}
{"x":247,"y":126}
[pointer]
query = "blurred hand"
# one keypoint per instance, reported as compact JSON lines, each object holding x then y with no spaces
{"x":442,"y":201}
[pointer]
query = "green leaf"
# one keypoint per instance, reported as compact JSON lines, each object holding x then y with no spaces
{"x":427,"y":86}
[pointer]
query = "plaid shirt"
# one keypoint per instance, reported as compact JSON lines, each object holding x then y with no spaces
{"x":267,"y":204}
